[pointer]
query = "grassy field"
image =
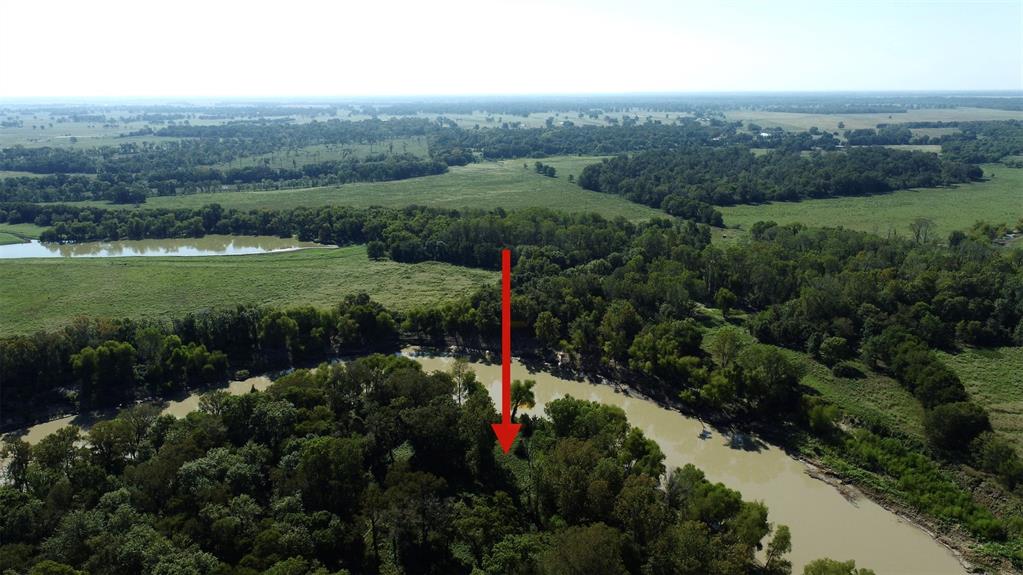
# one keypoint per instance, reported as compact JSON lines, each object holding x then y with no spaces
{"x":872,"y":399}
{"x":299,"y":157}
{"x":488,"y":185}
{"x":994,"y":378}
{"x":999,"y":199}
{"x":8,"y":238}
{"x":28,"y":231}
{"x":798,"y":122}
{"x":46,"y":293}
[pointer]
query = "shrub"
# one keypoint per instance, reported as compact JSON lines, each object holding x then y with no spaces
{"x":952,"y":426}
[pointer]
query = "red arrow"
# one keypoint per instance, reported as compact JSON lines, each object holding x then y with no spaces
{"x":506,"y":431}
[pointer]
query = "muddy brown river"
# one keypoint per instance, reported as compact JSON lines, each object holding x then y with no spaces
{"x":823,"y":521}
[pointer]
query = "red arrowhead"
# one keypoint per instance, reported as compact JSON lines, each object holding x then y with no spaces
{"x":506,"y":434}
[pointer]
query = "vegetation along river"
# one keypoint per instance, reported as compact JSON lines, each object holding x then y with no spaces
{"x":824,"y":521}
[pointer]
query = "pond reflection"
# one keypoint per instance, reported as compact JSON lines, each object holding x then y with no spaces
{"x":174,"y":247}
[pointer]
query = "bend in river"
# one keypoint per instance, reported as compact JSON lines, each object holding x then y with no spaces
{"x":823,"y":522}
{"x":213,"y":245}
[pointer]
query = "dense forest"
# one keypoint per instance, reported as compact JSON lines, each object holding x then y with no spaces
{"x":732,"y":175}
{"x":367,"y":467}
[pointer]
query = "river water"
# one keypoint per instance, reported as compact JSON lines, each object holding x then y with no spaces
{"x":823,"y":521}
{"x":182,"y":247}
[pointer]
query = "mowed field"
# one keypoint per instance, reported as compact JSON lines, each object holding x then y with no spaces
{"x":46,"y":293}
{"x":997,"y":200}
{"x":509,"y":184}
{"x":798,"y":122}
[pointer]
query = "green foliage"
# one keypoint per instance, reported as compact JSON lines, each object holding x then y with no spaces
{"x":832,"y":567}
{"x":730,"y":175}
{"x":995,"y":454}
{"x":620,"y":324}
{"x":522,"y":395}
{"x":725,"y":300}
{"x":952,"y":426}
{"x":670,"y":351}
{"x":833,"y":350}
{"x":547,"y":329}
{"x":922,"y":483}
{"x":591,"y":550}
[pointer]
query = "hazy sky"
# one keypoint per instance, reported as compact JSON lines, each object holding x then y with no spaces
{"x":381,"y":47}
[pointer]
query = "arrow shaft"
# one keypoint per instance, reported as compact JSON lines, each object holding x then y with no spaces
{"x":506,"y":336}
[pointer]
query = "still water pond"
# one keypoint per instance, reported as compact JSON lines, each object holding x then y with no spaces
{"x":183,"y":247}
{"x":824,"y":523}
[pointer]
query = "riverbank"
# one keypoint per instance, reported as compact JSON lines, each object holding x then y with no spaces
{"x":746,"y":436}
{"x":861,"y":530}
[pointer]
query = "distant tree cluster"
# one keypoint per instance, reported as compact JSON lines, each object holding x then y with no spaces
{"x":131,"y":177}
{"x":731,"y":175}
{"x":887,"y":136}
{"x":545,"y":170}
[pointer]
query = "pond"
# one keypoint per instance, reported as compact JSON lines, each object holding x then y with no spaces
{"x":172,"y":247}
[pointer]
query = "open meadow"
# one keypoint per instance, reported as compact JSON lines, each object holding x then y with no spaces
{"x":509,"y":184}
{"x":47,"y":293}
{"x":994,"y":378}
{"x":998,"y":199}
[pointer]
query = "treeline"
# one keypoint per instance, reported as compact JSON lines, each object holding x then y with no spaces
{"x":113,"y":362}
{"x":458,"y":146}
{"x":887,"y":136}
{"x":985,"y":141}
{"x":134,"y":177}
{"x":731,"y":175}
{"x":368,"y":467}
{"x":281,"y":135}
{"x":974,"y":142}
{"x":699,"y":104}
{"x":494,"y":144}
